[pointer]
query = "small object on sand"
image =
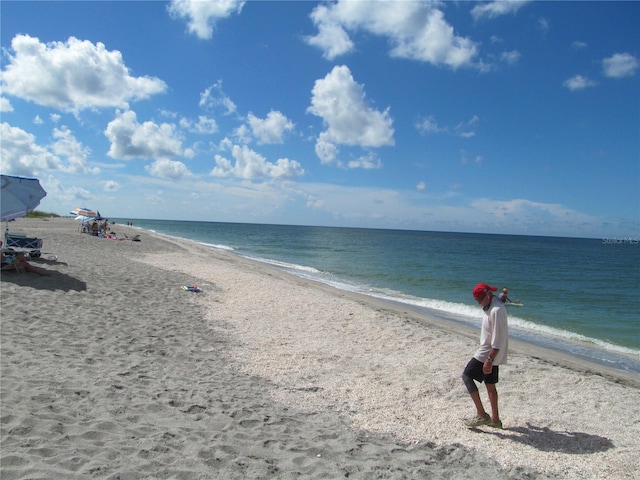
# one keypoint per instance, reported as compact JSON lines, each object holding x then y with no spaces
{"x":191,"y":288}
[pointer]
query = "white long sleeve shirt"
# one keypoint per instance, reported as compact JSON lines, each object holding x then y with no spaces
{"x":494,"y":333}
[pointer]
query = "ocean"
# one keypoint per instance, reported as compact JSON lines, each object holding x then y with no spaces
{"x":581,"y":296}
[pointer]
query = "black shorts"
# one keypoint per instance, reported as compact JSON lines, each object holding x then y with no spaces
{"x":474,"y":370}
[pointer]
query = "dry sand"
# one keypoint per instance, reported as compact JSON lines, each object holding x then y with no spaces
{"x":110,"y":370}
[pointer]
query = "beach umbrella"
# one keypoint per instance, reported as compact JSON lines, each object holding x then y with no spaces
{"x":84,"y":212}
{"x":19,"y":196}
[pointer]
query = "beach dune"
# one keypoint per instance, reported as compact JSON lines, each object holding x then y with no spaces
{"x":109,"y":369}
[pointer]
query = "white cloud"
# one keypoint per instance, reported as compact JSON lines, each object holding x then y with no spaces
{"x":250,"y":165}
{"x":21,"y":155}
{"x":415,"y":31}
{"x":497,"y":8}
{"x":5,"y":105}
{"x":579,"y":83}
{"x":165,"y":168}
{"x":464,"y":129}
{"x":620,"y":65}
{"x":205,"y":125}
{"x":421,"y":186}
{"x":130,"y":139}
{"x":67,"y":145}
{"x":331,"y":38}
{"x":110,"y":186}
{"x":270,"y":129}
{"x":242,"y":134}
{"x":341,"y":103}
{"x":367,"y":162}
{"x":203,"y":15}
{"x":530,"y":210}
{"x":511,"y":57}
{"x":214,"y":97}
{"x":74,"y":195}
{"x":429,"y":125}
{"x":72,"y":76}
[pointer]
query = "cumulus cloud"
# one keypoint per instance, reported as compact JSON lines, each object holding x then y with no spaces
{"x":415,"y":31}
{"x":331,"y":38}
{"x":130,"y":139}
{"x":579,"y":83}
{"x":250,"y":165}
{"x":202,"y":15}
{"x":270,"y":129}
{"x":21,"y":154}
{"x":5,"y":105}
{"x":341,"y":103}
{"x":497,"y":8}
{"x":72,"y":75}
{"x":204,"y":125}
{"x":165,"y":168}
{"x":620,"y":65}
{"x":66,"y":145}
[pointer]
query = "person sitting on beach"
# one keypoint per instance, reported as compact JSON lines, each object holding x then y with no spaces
{"x":18,"y":261}
{"x":95,"y":228}
{"x":503,"y":296}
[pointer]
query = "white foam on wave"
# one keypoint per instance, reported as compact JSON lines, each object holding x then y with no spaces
{"x":294,"y":267}
{"x":458,"y":311}
{"x":470,"y":314}
{"x":226,"y":248}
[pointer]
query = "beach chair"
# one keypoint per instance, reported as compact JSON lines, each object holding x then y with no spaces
{"x":20,"y":240}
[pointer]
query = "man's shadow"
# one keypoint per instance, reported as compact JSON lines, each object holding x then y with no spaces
{"x":547,"y":440}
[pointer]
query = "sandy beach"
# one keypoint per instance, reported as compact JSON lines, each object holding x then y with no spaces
{"x":109,"y":369}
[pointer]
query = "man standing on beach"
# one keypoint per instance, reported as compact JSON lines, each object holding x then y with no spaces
{"x":483,"y":367}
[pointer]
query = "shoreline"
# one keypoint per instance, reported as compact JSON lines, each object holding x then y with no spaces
{"x":112,"y":368}
{"x":553,"y":355}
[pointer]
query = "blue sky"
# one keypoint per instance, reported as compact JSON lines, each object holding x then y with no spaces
{"x":503,"y":117}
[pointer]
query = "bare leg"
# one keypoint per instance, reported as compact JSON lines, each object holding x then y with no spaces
{"x":493,"y":400}
{"x":475,"y":396}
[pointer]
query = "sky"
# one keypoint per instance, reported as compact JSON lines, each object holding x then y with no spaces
{"x":511,"y":117}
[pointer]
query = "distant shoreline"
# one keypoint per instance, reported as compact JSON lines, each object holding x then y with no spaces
{"x":556,"y":354}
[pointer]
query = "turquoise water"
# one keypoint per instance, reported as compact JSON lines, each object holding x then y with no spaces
{"x":581,"y":295}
